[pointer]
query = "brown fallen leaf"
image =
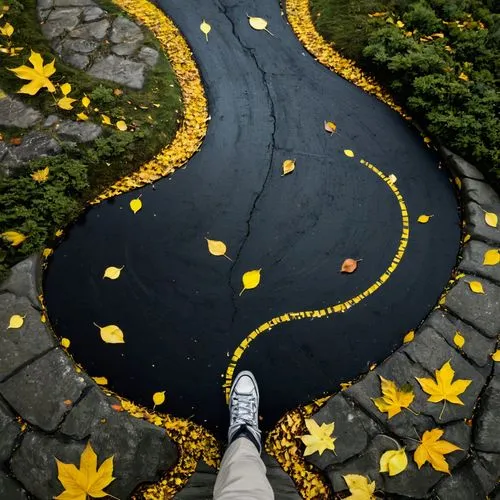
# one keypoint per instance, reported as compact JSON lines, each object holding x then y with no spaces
{"x":349,"y":266}
{"x":330,"y":127}
{"x":16,"y":141}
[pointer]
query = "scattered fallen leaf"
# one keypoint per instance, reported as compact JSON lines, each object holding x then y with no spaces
{"x":319,"y":438}
{"x":59,"y":233}
{"x":41,"y":175}
{"x":349,"y":266}
{"x":85,"y":101}
{"x":424,"y":219}
{"x":288,"y":167}
{"x":400,"y":24}
{"x":135,"y":205}
{"x":432,"y":450}
{"x":359,"y":487}
{"x":393,"y":400}
{"x":459,"y":340}
{"x":393,"y":461}
{"x":13,"y":237}
{"x":330,"y":127}
{"x":82,"y":116}
{"x":463,"y":76}
{"x":16,"y":321}
{"x":205,"y":28}
{"x":217,"y":248}
{"x":65,"y":342}
{"x":112,"y":272}
{"x":427,"y":140}
{"x":491,"y":219}
{"x":259,"y":24}
{"x":392,"y":179}
{"x":39,"y":75}
{"x":66,"y":103}
{"x":121,"y":125}
{"x":117,"y":407}
{"x":349,"y":153}
{"x":159,"y":398}
{"x":118,"y":92}
{"x":496,"y":355}
{"x":47,"y":252}
{"x":111,"y":334}
{"x":7,"y":30}
{"x":100,"y":380}
{"x":476,"y":286}
{"x":88,"y":480}
{"x":491,"y":257}
{"x":65,"y":88}
{"x":68,"y":402}
{"x":16,"y":141}
{"x":409,"y":337}
{"x":251,"y":279}
{"x":106,"y":120}
{"x":466,"y":238}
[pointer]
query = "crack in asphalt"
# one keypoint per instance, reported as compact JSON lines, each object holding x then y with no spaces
{"x":251,"y":52}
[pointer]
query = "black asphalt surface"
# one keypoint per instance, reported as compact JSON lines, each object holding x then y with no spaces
{"x":179,"y":306}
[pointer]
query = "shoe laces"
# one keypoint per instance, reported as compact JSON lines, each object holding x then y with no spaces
{"x":244,"y":408}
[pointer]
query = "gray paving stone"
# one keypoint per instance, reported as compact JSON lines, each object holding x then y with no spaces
{"x":431,"y":351}
{"x":93,"y":14}
{"x":79,"y":61}
{"x":491,"y":463}
{"x":353,"y":431}
{"x":477,"y":347}
{"x":459,"y":166}
{"x":119,"y":70}
{"x":18,"y":346}
{"x":281,"y":482}
{"x":79,"y":45}
{"x":73,"y":3}
{"x":10,"y":489}
{"x":125,"y":49}
{"x":9,"y":431}
{"x":477,"y":227}
{"x":35,"y":145}
{"x":13,"y":113}
{"x":3,"y":150}
{"x":51,"y":121}
{"x":401,"y":370}
{"x":45,"y":4}
{"x":79,"y":131}
{"x":91,"y":31}
{"x":200,"y":485}
{"x":61,"y":21}
{"x":478,"y":309}
{"x":126,"y":31}
{"x":38,"y":391}
{"x":472,"y":261}
{"x":148,"y":55}
{"x":480,"y":193}
{"x":486,"y":435}
{"x":43,"y":14}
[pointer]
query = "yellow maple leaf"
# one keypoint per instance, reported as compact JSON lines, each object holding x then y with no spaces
{"x":39,"y":75}
{"x":359,"y":487}
{"x":41,"y":175}
{"x":393,"y":400}
{"x":13,"y":237}
{"x":88,"y":479}
{"x":320,"y":437}
{"x":250,"y":280}
{"x":432,"y":449}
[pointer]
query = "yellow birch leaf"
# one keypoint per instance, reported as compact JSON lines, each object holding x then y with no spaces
{"x":393,"y":462}
{"x":38,"y":75}
{"x":491,"y":257}
{"x":111,"y":334}
{"x":349,"y":153}
{"x":121,"y":125}
{"x":65,"y":342}
{"x":459,"y":340}
{"x":288,"y":167}
{"x":330,"y":127}
{"x":251,"y":279}
{"x":85,"y":101}
{"x":41,"y":175}
{"x":393,"y":399}
{"x":409,"y":337}
{"x":66,"y":103}
{"x":65,"y":88}
{"x":135,"y":205}
{"x":159,"y":398}
{"x":13,"y":237}
{"x":100,"y":380}
{"x":16,"y":321}
{"x":432,"y":449}
{"x":259,"y":24}
{"x":112,"y":272}
{"x":476,"y":287}
{"x":496,"y":356}
{"x":319,"y":438}
{"x":106,"y":120}
{"x":205,"y":28}
{"x":424,"y":219}
{"x":491,"y":219}
{"x":359,"y":487}
{"x":217,"y":248}
{"x":82,"y":116}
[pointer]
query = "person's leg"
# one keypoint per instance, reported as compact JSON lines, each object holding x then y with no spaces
{"x":242,"y":474}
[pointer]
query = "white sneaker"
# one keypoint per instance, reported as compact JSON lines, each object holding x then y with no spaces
{"x":244,"y":409}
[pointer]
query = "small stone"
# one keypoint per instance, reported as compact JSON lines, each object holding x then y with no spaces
{"x":79,"y":61}
{"x":20,"y":345}
{"x":60,"y":21}
{"x":125,"y":31}
{"x":9,"y":430}
{"x":79,"y":131}
{"x":476,"y":225}
{"x":14,"y":113}
{"x":93,"y":14}
{"x":45,"y":4}
{"x":119,"y":70}
{"x":478,"y":309}
{"x":472,"y":261}
{"x":89,"y":31}
{"x":10,"y":489}
{"x":43,"y":14}
{"x":79,"y":45}
{"x":124,"y":49}
{"x":486,"y":435}
{"x":39,"y":390}
{"x":459,"y":166}
{"x":480,"y":193}
{"x":149,"y":56}
{"x":51,"y":121}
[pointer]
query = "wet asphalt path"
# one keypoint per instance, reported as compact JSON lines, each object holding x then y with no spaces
{"x":179,"y":306}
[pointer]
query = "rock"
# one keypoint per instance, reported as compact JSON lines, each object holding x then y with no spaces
{"x":149,"y":56}
{"x":477,"y":347}
{"x":472,"y":261}
{"x":93,"y":14}
{"x":431,"y":351}
{"x":18,"y":346}
{"x":480,"y":310}
{"x":459,"y":166}
{"x":9,"y":430}
{"x":200,"y":484}
{"x":480,"y":193}
{"x":14,"y":113}
{"x":3,"y":150}
{"x":60,"y":21}
{"x":10,"y":489}
{"x":45,"y":4}
{"x":490,"y":462}
{"x":44,"y":404}
{"x":119,"y":70}
{"x":74,"y":3}
{"x":477,"y":227}
{"x":486,"y":435}
{"x":79,"y":131}
{"x":79,"y":45}
{"x":89,"y":31}
{"x":51,"y":121}
{"x":126,"y":31}
{"x":353,"y":431}
{"x":124,"y":49}
{"x":79,"y":61}
{"x":43,"y":14}
{"x":25,"y":280}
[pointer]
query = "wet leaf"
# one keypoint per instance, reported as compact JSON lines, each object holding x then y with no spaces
{"x":319,"y":438}
{"x":459,"y":340}
{"x":251,"y":279}
{"x":330,"y":127}
{"x":38,"y":75}
{"x":111,"y":334}
{"x":393,"y":400}
{"x":349,"y":266}
{"x":496,"y":356}
{"x":393,"y":462}
{"x":432,"y":449}
{"x":112,"y":272}
{"x":409,"y":337}
{"x":259,"y":24}
{"x":476,"y":287}
{"x":205,"y":28}
{"x":41,"y":175}
{"x":100,"y":380}
{"x":159,"y":398}
{"x":85,"y":101}
{"x":16,"y":321}
{"x":359,"y":487}
{"x":65,"y":342}
{"x":135,"y":205}
{"x":288,"y":167}
{"x":424,"y":219}
{"x":491,"y":219}
{"x":349,"y":153}
{"x":121,"y":125}
{"x":491,"y":257}
{"x":217,"y":248}
{"x":88,"y":480}
{"x":14,"y":237}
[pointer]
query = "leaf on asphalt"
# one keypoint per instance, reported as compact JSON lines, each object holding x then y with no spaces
{"x":135,"y":205}
{"x":259,"y":24}
{"x":159,"y":398}
{"x":100,"y":380}
{"x":476,"y":286}
{"x":113,"y":272}
{"x":330,"y":127}
{"x":41,"y":175}
{"x":38,"y":75}
{"x":491,"y":257}
{"x":16,"y":321}
{"x":393,"y":462}
{"x":432,"y":449}
{"x":65,"y":342}
{"x":121,"y":125}
{"x":459,"y":340}
{"x":496,"y":355}
{"x":111,"y":334}
{"x":288,"y":167}
{"x":393,"y":400}
{"x":217,"y":248}
{"x":205,"y":28}
{"x":443,"y":389}
{"x":319,"y":438}
{"x":409,"y":337}
{"x":349,"y":153}
{"x":88,"y":480}
{"x":14,"y":237}
{"x":491,"y":219}
{"x":424,"y":219}
{"x":392,"y":179}
{"x":359,"y":487}
{"x":349,"y":266}
{"x":250,"y":280}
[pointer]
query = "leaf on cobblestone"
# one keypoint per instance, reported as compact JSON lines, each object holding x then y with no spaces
{"x":250,"y":280}
{"x":476,"y":286}
{"x":491,"y":219}
{"x":359,"y":487}
{"x":113,"y":272}
{"x":393,"y":400}
{"x":205,"y":28}
{"x":16,"y":321}
{"x":66,"y":103}
{"x":38,"y":75}
{"x":320,"y":437}
{"x":496,"y":355}
{"x":393,"y":462}
{"x":13,"y":237}
{"x":111,"y":334}
{"x":491,"y":257}
{"x":459,"y":340}
{"x":88,"y":479}
{"x":217,"y":248}
{"x":432,"y":449}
